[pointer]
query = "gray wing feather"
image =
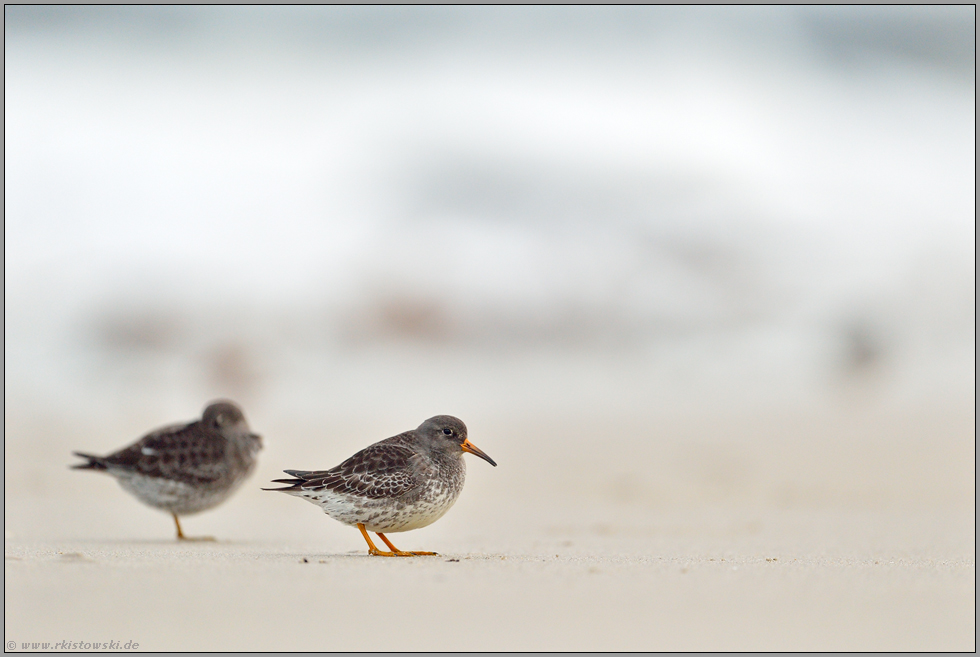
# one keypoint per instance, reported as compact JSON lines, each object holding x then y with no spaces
{"x":384,"y":469}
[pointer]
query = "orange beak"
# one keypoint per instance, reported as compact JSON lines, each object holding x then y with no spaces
{"x":473,"y":449}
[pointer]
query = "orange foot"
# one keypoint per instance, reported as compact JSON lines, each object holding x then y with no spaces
{"x":395,"y":552}
{"x":181,"y":537}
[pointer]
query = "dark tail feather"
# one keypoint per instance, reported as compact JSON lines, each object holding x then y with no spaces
{"x":288,"y":489}
{"x":294,"y":484}
{"x":94,"y":462}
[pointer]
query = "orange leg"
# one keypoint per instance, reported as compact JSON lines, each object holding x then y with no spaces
{"x":372,"y":550}
{"x":399,"y":552}
{"x":180,"y":533}
{"x":395,"y":552}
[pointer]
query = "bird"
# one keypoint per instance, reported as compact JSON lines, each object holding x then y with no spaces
{"x":398,"y":484}
{"x":188,"y":467}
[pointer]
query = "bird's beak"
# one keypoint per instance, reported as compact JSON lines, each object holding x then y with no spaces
{"x":473,"y":449}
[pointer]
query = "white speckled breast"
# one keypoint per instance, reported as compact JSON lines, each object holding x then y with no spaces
{"x":179,"y":497}
{"x":417,"y":508}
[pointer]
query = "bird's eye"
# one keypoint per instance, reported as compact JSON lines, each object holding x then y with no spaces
{"x":448,"y":432}
{"x":219,"y":420}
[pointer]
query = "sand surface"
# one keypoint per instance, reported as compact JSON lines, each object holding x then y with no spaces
{"x":733,"y":540}
{"x":701,"y":282}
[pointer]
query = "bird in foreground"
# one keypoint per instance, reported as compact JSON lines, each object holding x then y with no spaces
{"x":401,"y":483}
{"x":185,"y":468}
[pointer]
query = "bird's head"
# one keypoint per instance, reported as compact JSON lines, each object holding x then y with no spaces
{"x":226,"y":418}
{"x":448,"y":433}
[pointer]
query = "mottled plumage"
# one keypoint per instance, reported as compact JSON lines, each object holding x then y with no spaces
{"x":185,"y":468}
{"x":401,"y":483}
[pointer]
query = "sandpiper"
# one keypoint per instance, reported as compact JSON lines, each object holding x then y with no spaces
{"x":185,"y":468}
{"x":400,"y":483}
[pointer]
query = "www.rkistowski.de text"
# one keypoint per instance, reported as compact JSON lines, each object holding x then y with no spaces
{"x":72,"y":645}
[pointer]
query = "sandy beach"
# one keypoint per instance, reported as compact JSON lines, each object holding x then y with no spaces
{"x":701,"y":281}
{"x":842,"y":547}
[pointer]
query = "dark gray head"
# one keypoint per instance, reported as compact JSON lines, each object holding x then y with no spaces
{"x":448,"y":433}
{"x":226,"y":418}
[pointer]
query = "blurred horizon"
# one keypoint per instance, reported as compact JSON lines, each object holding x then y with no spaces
{"x":333,"y":212}
{"x":700,"y":280}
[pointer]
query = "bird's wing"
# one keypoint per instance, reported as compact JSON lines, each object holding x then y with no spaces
{"x":183,"y":452}
{"x":384,"y":469}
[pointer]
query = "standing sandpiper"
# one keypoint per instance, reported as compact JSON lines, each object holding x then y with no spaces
{"x":185,"y":468}
{"x":400,"y":483}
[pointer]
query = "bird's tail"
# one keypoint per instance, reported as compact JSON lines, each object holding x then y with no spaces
{"x":94,"y":462}
{"x":295,"y":482}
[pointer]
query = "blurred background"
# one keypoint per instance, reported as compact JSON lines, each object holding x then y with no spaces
{"x":654,"y":257}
